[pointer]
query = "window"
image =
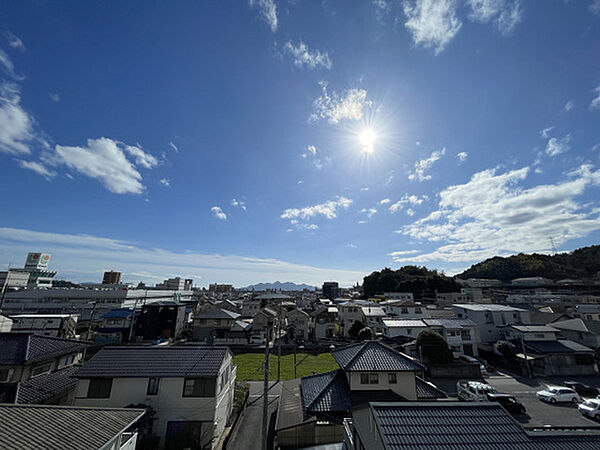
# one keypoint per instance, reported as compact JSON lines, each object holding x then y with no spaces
{"x":199,"y":387}
{"x":153,"y":384}
{"x":392,"y":378}
{"x":5,"y":374}
{"x":66,"y":361}
{"x":364,"y":378}
{"x":99,"y":387}
{"x":418,"y":310}
{"x":404,"y":310}
{"x":373,"y":378}
{"x":40,"y":370}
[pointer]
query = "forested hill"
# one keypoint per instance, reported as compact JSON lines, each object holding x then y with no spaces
{"x":418,"y":280}
{"x":581,"y":263}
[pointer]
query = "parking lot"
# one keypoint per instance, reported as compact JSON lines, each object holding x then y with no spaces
{"x":540,"y":413}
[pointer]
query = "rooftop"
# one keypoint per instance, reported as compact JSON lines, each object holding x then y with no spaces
{"x":218,"y":313}
{"x":488,"y":307}
{"x":534,"y":328}
{"x":46,"y":387}
{"x":373,"y":356}
{"x":558,"y":346}
{"x":27,"y":348}
{"x":147,"y":361}
{"x":32,"y":427}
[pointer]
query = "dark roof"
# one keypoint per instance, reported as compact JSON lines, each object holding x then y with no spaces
{"x":433,"y":425}
{"x":425,"y":389}
{"x":155,"y":361}
{"x":122,"y":313}
{"x":290,"y":412}
{"x":26,"y":348}
{"x":558,"y":346}
{"x":218,"y":313}
{"x":450,"y":322}
{"x":32,"y":427}
{"x":373,"y":356}
{"x":47,"y":387}
{"x":360,"y":398}
{"x":326,"y":392}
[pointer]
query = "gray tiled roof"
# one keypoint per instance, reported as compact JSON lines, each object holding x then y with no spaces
{"x":46,"y":387}
{"x":373,"y":356}
{"x":326,"y":392}
{"x":155,"y":361}
{"x":217,"y":313}
{"x":450,"y":322}
{"x":34,"y":427}
{"x":22,"y":348}
{"x":425,"y":390}
{"x":558,"y":346}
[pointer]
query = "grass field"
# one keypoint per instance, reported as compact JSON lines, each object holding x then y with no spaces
{"x":249,"y":365}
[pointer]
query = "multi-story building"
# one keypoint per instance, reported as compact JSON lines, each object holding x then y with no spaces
{"x":373,"y":317}
{"x":331,"y":289}
{"x":176,"y":284}
{"x":111,"y":277}
{"x":189,"y":388}
{"x":13,"y":279}
{"x":325,"y":323}
{"x":220,"y":326}
{"x":404,"y":309}
{"x":586,"y":312}
{"x":221,"y":288}
{"x":56,"y":325}
{"x":405,"y":296}
{"x":160,"y":319}
{"x":348,"y":313}
{"x":36,"y":265}
{"x":491,"y":319}
{"x":298,"y":324}
{"x":115,"y":327}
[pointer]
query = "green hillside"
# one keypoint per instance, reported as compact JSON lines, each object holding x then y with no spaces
{"x":418,"y":280}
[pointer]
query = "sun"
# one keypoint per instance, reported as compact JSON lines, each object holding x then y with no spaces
{"x":367,"y":139}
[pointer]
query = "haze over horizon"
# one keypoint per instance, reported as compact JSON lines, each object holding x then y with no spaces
{"x":246,"y":142}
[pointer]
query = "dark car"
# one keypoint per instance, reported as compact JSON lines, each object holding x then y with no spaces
{"x":582,"y":389}
{"x":508,"y":402}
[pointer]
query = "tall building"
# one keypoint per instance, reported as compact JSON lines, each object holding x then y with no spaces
{"x":176,"y":284}
{"x":37,"y":267}
{"x":331,"y":289}
{"x":111,"y":277}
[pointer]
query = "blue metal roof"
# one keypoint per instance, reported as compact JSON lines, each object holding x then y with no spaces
{"x":122,"y":313}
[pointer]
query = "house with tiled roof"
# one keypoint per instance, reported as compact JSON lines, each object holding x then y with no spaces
{"x":220,"y":326}
{"x":38,"y":369}
{"x":189,"y":388}
{"x":313,"y":408}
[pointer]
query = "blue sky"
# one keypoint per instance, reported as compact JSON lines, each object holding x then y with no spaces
{"x":285,"y":140}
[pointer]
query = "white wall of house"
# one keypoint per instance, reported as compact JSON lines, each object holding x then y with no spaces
{"x":348,"y":314}
{"x":405,"y":383}
{"x":391,"y":331}
{"x":410,"y":311}
{"x":490,"y":322}
{"x":408,"y":296}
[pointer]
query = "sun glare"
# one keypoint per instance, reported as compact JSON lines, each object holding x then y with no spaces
{"x":367,"y":140}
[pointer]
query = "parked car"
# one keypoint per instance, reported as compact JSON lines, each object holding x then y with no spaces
{"x":557,"y":394}
{"x":590,"y":408}
{"x":473,"y":360}
{"x":581,"y":388}
{"x":508,"y":402}
{"x":473,"y":391}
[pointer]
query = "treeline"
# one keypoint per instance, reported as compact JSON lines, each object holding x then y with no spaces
{"x":418,"y":280}
{"x":581,"y":263}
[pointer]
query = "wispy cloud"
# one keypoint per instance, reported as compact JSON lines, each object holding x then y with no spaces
{"x":406,"y":200}
{"x":493,"y":214}
{"x":595,"y":6}
{"x":556,"y":146}
{"x":596,"y":100}
{"x":238,"y":204}
{"x":310,"y":152}
{"x":174,"y":147}
{"x":7,"y":65}
{"x":370,"y":212}
{"x":570,"y":104}
{"x":54,"y":97}
{"x":423,"y":165}
{"x":218,"y":213}
{"x":16,"y":126}
{"x":432,"y":23}
{"x":14,"y":41}
{"x":462,"y":156}
{"x":268,"y":12}
{"x":303,"y":56}
{"x":70,"y":252}
{"x":350,"y":106}
{"x":328,"y":210}
{"x":504,"y":14}
{"x":165,"y":182}
{"x":546,"y":132}
{"x":38,"y":168}
{"x":385,"y":201}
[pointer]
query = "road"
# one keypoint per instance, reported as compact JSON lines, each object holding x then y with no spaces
{"x":247,"y":433}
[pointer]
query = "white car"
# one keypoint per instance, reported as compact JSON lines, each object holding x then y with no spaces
{"x":473,"y":391}
{"x":590,"y":407}
{"x":554,"y":394}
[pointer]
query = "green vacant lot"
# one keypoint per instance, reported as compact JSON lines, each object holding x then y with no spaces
{"x":249,"y":365}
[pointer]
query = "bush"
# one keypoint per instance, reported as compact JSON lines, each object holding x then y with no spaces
{"x":433,"y":347}
{"x":508,"y":350}
{"x":365,"y":334}
{"x":355,"y":329}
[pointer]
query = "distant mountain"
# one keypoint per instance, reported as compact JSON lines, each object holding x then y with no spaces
{"x":581,"y":263}
{"x":287,"y":286}
{"x":421,"y":281}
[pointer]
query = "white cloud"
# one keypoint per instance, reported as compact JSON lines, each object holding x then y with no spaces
{"x":238,"y":203}
{"x":174,"y":147}
{"x":546,"y":132}
{"x":596,"y":100}
{"x":406,"y":200}
{"x":71,"y":252}
{"x":8,"y":66}
{"x":310,"y":152}
{"x":385,"y":201}
{"x":382,"y":8}
{"x":268,"y":11}
{"x":424,"y":164}
{"x":432,"y":23}
{"x":351,"y":245}
{"x":350,"y":106}
{"x":165,"y":182}
{"x":493,"y":215}
{"x":218,"y":212}
{"x":37,"y":167}
{"x":328,"y":210}
{"x":370,"y":212}
{"x":505,"y":14}
{"x":556,"y":146}
{"x":14,"y":41}
{"x":305,"y":57}
{"x":462,"y":156}
{"x":54,"y":97}
{"x":595,"y":6}
{"x":365,"y":189}
{"x":403,"y":252}
{"x":570,"y":104}
{"x":16,"y":126}
{"x":104,"y":159}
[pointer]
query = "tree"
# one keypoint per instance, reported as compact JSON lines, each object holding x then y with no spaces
{"x":365,"y":334}
{"x":355,"y":329}
{"x":508,"y":350}
{"x":433,"y":347}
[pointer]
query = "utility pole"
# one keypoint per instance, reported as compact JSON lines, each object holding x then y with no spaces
{"x":89,"y":336}
{"x":526,"y":357}
{"x":4,"y":286}
{"x":265,"y":423}
{"x":131,"y":323}
{"x":279,"y":345}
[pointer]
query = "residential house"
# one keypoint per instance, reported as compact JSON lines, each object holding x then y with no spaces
{"x":115,"y":327}
{"x":325,"y":323}
{"x":298,"y":324}
{"x":405,"y":309}
{"x":250,"y":308}
{"x":449,"y":298}
{"x":518,"y":333}
{"x":586,"y":312}
{"x":57,"y":325}
{"x":458,"y":425}
{"x":373,"y":318}
{"x":491,"y":319}
{"x":264,"y":323}
{"x":220,"y":326}
{"x":189,"y":388}
{"x":311,"y":410}
{"x":164,"y":319}
{"x":579,"y":331}
{"x":405,"y":296}
{"x":38,"y":369}
{"x":348,"y":313}
{"x":29,"y":427}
